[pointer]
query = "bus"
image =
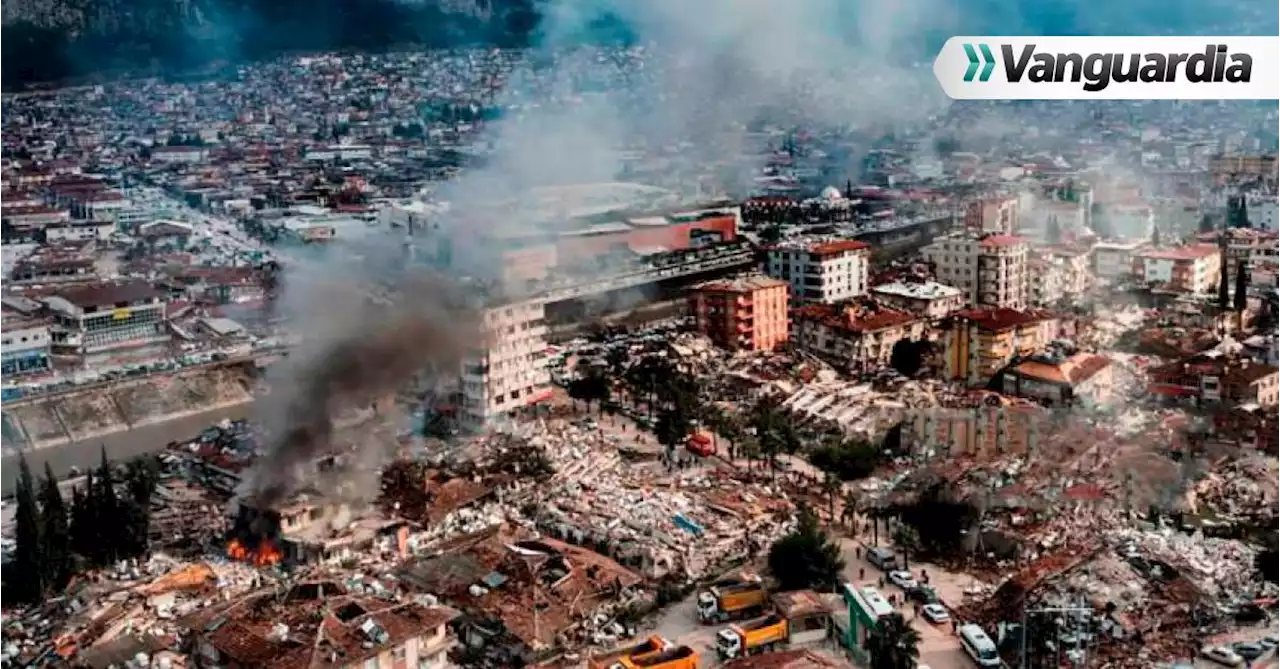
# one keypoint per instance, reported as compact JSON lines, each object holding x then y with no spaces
{"x":979,"y":646}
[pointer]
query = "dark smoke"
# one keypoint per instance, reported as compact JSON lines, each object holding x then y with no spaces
{"x":354,"y":363}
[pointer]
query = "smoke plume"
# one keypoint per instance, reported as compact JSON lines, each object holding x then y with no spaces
{"x":361,"y":350}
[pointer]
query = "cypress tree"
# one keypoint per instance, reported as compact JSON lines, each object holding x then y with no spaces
{"x":1223,"y":287}
{"x":81,"y":530}
{"x":1206,"y":223}
{"x":55,"y":537}
{"x":107,"y":519}
{"x":1241,"y":298}
{"x":23,"y":577}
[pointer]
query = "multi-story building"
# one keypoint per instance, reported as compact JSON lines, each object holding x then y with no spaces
{"x":1227,"y":168}
{"x":980,"y":342}
{"x":1068,"y":216}
{"x":1114,"y":259}
{"x":25,"y":347}
{"x":79,"y":231}
{"x":747,"y":313}
{"x":927,"y":299}
{"x":993,"y":214}
{"x":990,"y":269}
{"x":859,"y":337}
{"x":509,"y":371}
{"x":821,"y":272}
{"x":1185,"y":269}
{"x":1263,"y":211}
{"x":1085,"y":379}
{"x":1058,"y":273}
{"x":1130,"y":220}
{"x":105,"y":316}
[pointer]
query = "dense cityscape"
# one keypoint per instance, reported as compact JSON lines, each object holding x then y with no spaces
{"x":628,"y":357}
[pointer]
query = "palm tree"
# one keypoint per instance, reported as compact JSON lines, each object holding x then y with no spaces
{"x":907,"y":540}
{"x":893,"y":644}
{"x":831,"y":485}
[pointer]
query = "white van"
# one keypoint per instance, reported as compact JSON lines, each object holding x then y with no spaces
{"x":979,"y":646}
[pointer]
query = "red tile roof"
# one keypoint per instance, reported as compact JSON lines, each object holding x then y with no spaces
{"x":1001,"y":318}
{"x":1192,"y":252}
{"x":832,"y":248}
{"x":1002,"y":240}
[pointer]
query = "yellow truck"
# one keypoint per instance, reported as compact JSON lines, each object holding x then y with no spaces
{"x":732,"y":599}
{"x":754,"y":636}
{"x":651,"y":646}
{"x":682,"y":657}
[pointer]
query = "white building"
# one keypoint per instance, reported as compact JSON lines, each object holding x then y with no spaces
{"x":510,"y":370}
{"x":79,"y":231}
{"x":1263,"y":211}
{"x":821,"y":272}
{"x":180,"y":154}
{"x":24,"y":348}
{"x":928,"y":299}
{"x":990,"y":269}
{"x":1131,"y":221}
{"x":1035,"y":222}
{"x":1115,"y":259}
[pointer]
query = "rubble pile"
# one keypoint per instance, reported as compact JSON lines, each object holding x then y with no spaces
{"x":1240,"y":489}
{"x":1219,"y":568}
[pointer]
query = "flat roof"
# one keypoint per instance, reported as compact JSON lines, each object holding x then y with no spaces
{"x":928,"y":290}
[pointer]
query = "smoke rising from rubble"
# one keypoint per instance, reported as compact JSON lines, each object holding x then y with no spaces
{"x":355,"y":353}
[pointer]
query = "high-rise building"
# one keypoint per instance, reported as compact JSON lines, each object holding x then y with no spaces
{"x":991,"y":269}
{"x":747,"y":313}
{"x":821,"y":272}
{"x":508,"y":370}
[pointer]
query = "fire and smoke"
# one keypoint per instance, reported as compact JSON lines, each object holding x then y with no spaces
{"x":352,"y":357}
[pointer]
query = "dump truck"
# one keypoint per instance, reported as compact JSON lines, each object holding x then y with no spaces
{"x":754,"y":636}
{"x":682,"y":657}
{"x":651,"y":646}
{"x":732,"y":599}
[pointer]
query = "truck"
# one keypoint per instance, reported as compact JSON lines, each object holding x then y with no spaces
{"x":754,"y":636}
{"x":682,"y":657}
{"x":731,"y":599}
{"x":651,"y":646}
{"x":701,"y":443}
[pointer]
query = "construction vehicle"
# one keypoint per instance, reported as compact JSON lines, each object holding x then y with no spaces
{"x":651,"y":646}
{"x":701,"y":443}
{"x":682,"y":657}
{"x":732,"y":599}
{"x":755,"y":636}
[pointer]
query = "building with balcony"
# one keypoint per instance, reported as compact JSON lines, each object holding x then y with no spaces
{"x":991,"y":269}
{"x":743,"y":314}
{"x":858,"y":337}
{"x":926,"y":299}
{"x":979,"y":343}
{"x":1114,"y":259}
{"x":102,"y":317}
{"x":509,"y":371}
{"x":821,"y":271}
{"x":1184,"y":269}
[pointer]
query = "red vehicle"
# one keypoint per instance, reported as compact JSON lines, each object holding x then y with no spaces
{"x":701,"y":443}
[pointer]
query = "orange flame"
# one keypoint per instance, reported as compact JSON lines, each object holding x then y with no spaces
{"x":264,"y":556}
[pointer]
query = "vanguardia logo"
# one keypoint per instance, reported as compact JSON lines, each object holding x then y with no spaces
{"x":1166,"y":67}
{"x":1097,"y":70}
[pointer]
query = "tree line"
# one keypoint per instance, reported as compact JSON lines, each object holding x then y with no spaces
{"x":107,"y":520}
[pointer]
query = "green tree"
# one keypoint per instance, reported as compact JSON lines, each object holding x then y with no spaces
{"x":907,"y":541}
{"x":83,"y":532}
{"x":849,"y":459}
{"x":23,"y":577}
{"x":893,"y":644}
{"x":591,"y":387}
{"x":107,"y":516}
{"x":806,"y":558}
{"x":1206,"y":224}
{"x":774,"y":431}
{"x":673,"y":425}
{"x":831,"y":486}
{"x":141,"y":477}
{"x":55,"y":539}
{"x":1224,"y":272}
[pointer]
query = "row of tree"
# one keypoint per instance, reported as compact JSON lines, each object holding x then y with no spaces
{"x":108,"y":520}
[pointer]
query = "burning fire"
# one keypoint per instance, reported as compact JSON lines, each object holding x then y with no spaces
{"x":265,"y":555}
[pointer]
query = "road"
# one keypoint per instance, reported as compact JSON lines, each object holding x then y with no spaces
{"x":119,"y":445}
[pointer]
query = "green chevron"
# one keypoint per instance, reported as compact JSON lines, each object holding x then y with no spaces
{"x":991,"y":62}
{"x":973,"y":62}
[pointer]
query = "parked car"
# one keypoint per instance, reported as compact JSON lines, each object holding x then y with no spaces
{"x":936,"y":613}
{"x":923,"y":594}
{"x":1249,"y":650}
{"x":1269,"y":642}
{"x":1222,"y":655}
{"x":903,"y":579}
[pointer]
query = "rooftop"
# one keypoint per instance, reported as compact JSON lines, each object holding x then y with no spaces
{"x":1193,"y":252}
{"x":1001,"y":318}
{"x":1073,"y":370}
{"x":109,"y":294}
{"x":745,"y":284}
{"x":928,"y":290}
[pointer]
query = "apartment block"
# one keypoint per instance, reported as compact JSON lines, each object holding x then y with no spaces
{"x":1113,"y":260}
{"x":859,"y":337}
{"x":990,"y":269}
{"x":743,"y":314}
{"x":509,"y":370}
{"x":1183,"y":269}
{"x":107,"y":316}
{"x":980,"y":342}
{"x":994,"y":214}
{"x":821,"y":272}
{"x":25,"y":348}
